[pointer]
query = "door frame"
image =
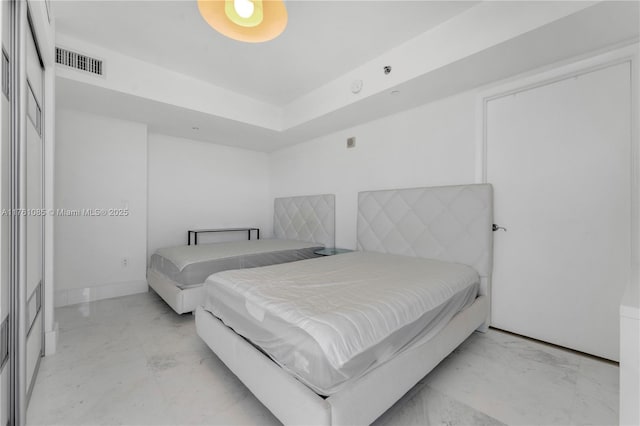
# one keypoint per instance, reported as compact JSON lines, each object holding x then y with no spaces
{"x":629,"y":52}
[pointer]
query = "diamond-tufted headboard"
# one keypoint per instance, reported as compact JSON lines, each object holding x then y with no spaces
{"x":450,"y":223}
{"x":306,"y":218}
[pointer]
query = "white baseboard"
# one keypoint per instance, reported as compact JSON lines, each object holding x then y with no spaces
{"x":51,"y":341}
{"x":74,"y":296}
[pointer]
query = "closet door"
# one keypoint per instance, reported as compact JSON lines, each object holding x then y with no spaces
{"x":22,"y":218}
{"x":5,"y":220}
{"x":35,"y":205}
{"x":559,"y":156}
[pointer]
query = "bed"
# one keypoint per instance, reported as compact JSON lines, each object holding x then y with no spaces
{"x":302,"y":225}
{"x":337,"y":340}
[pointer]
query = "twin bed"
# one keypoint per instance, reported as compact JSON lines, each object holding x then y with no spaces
{"x":337,"y":340}
{"x":302,"y":225}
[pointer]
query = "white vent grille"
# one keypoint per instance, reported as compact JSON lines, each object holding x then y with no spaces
{"x":78,"y":61}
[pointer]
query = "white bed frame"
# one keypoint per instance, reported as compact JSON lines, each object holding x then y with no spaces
{"x":448,"y":223}
{"x":303,"y":218}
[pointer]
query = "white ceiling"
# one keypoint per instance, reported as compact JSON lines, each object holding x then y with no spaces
{"x":323,"y":40}
{"x":309,"y":54}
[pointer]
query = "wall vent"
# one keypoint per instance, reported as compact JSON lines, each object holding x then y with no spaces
{"x":78,"y":61}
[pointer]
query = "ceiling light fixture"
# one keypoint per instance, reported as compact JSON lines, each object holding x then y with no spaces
{"x":252,"y":21}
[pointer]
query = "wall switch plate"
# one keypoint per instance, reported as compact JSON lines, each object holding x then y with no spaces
{"x":351,"y":142}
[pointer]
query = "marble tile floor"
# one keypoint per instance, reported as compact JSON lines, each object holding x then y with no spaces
{"x":133,"y":361}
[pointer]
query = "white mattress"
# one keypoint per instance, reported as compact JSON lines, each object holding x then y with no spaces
{"x":333,"y":319}
{"x":191,"y":265}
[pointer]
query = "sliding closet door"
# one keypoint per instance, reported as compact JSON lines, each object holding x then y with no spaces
{"x":5,"y":220}
{"x":35,"y":205}
{"x":559,"y":156}
{"x":22,"y":217}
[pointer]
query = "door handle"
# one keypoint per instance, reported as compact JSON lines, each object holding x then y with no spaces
{"x":498,"y":228}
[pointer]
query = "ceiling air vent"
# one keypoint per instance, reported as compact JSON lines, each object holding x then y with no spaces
{"x":78,"y":61}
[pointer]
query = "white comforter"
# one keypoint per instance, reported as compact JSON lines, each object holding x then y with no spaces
{"x":350,"y":302}
{"x":183,"y":256}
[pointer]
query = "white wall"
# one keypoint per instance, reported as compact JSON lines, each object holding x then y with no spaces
{"x":100,"y":163}
{"x":196,"y":184}
{"x":429,"y":145}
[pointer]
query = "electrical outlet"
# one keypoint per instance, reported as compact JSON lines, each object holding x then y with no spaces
{"x":351,"y":142}
{"x":125,"y":262}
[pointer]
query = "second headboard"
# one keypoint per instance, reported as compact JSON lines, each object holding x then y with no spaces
{"x":450,"y":223}
{"x":306,"y":218}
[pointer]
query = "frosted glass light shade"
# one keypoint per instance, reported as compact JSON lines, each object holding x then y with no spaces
{"x":267,"y":20}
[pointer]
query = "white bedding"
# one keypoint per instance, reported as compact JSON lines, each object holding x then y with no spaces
{"x":333,"y":319}
{"x":191,"y":265}
{"x":183,"y":256}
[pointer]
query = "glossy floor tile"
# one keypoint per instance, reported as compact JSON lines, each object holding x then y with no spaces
{"x":133,"y":361}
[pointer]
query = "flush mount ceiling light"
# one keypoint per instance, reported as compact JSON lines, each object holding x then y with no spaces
{"x":253,"y":21}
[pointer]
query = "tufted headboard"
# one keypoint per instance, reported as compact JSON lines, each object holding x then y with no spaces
{"x":306,"y":218}
{"x":450,"y":223}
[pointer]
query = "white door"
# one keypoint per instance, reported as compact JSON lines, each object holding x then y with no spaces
{"x":21,"y":221}
{"x":34,"y":205}
{"x":5,"y":220}
{"x":559,"y":157}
